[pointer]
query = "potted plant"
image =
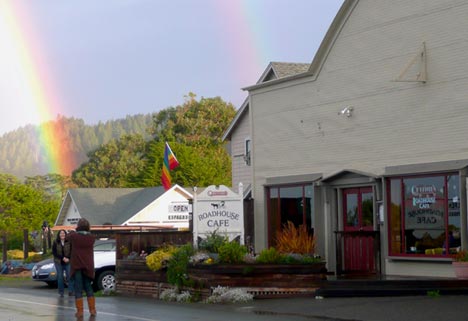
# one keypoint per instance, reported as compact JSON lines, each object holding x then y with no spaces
{"x":460,"y":264}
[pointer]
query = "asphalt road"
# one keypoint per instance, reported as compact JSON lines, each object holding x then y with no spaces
{"x":32,"y":301}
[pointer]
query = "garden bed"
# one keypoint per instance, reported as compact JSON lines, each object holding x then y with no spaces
{"x":262,"y":280}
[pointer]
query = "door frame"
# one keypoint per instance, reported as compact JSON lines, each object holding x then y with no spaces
{"x":360,"y":244}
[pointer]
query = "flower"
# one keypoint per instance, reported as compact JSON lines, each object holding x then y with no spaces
{"x":461,"y":256}
{"x":124,"y":250}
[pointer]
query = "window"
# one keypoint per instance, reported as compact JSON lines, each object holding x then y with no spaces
{"x":247,"y":151}
{"x":424,"y":215}
{"x":289,"y":203}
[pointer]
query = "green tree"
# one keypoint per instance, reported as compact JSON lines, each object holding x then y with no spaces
{"x":115,"y":164}
{"x":24,"y":207}
{"x":195,"y":123}
{"x":194,"y":131}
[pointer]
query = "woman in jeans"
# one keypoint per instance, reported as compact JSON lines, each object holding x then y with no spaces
{"x":82,"y":266}
{"x":61,"y":248}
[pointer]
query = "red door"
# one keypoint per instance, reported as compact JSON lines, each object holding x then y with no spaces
{"x":359,"y":235}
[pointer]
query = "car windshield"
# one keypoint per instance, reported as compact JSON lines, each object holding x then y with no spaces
{"x":104,"y":246}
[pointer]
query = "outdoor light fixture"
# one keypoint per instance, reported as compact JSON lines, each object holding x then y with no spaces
{"x":347,"y":111}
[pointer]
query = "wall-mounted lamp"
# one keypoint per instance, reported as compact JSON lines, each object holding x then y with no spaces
{"x":347,"y":111}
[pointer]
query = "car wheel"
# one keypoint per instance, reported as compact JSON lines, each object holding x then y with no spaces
{"x":106,"y":281}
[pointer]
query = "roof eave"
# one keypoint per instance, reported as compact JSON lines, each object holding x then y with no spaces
{"x":232,"y":125}
{"x":323,"y":50}
{"x":278,"y":81}
{"x":332,"y":34}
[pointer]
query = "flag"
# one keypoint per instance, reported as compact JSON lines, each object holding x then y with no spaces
{"x":170,"y":162}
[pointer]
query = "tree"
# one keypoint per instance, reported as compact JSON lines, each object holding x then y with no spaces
{"x":194,"y":131}
{"x":199,"y":165}
{"x":54,"y":185}
{"x":24,"y":207}
{"x":114,"y":164}
{"x":195,"y":123}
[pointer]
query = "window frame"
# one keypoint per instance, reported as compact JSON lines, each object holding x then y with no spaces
{"x":272,"y":230}
{"x":400,"y":180}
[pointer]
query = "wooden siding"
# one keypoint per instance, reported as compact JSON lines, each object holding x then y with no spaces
{"x":241,"y":172}
{"x":296,"y":128}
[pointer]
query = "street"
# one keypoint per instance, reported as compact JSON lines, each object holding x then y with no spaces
{"x":33,"y":301}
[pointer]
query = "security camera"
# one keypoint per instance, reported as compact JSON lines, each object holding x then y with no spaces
{"x":347,"y":111}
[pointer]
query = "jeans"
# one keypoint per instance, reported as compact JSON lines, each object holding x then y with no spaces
{"x":61,"y":268}
{"x":82,"y":282}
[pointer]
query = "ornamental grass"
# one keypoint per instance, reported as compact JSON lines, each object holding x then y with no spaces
{"x":292,"y":239}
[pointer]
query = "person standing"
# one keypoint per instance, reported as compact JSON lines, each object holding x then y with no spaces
{"x":61,"y":249}
{"x":82,"y":266}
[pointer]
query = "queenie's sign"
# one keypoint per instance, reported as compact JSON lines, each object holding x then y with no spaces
{"x":218,"y":209}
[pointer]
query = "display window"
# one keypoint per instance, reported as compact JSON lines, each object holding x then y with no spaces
{"x":289,"y":203}
{"x":424,"y":215}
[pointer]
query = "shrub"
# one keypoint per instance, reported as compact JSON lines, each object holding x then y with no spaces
{"x":293,"y":258}
{"x":159,"y":258}
{"x":212,"y":242}
{"x":461,"y":256}
{"x":178,"y":264}
{"x":19,"y":254}
{"x":226,"y":295}
{"x":268,"y":256}
{"x":174,"y":295}
{"x":232,"y":252}
{"x":295,"y":240}
{"x":35,"y":257}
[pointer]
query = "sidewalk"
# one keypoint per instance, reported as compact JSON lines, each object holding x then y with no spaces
{"x":411,"y":308}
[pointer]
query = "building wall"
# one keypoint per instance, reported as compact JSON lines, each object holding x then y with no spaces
{"x":241,"y":172}
{"x":296,"y":128}
{"x":169,"y":210}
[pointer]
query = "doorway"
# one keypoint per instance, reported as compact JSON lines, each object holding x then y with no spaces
{"x":359,"y":252}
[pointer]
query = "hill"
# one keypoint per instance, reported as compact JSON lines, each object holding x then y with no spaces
{"x":21,"y":153}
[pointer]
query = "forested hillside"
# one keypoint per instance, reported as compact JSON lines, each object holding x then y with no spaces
{"x":21,"y":153}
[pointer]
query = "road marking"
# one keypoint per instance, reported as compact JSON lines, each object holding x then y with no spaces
{"x":131,"y":317}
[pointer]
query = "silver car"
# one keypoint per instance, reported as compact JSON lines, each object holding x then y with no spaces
{"x":104,"y":264}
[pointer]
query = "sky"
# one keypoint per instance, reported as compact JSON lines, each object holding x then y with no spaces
{"x":106,"y":59}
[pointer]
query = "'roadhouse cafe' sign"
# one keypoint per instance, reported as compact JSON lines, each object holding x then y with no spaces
{"x":424,"y":212}
{"x":218,"y":209}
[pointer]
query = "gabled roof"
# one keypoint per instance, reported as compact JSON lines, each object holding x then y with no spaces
{"x":113,"y":205}
{"x":323,"y":51}
{"x":344,"y":172}
{"x":277,"y":70}
{"x":242,"y":110}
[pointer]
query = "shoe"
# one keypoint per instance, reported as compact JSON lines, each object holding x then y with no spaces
{"x":61,"y":295}
{"x":71,"y":294}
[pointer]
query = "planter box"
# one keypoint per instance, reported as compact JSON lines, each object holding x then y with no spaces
{"x":259,"y":275}
{"x":460,"y":269}
{"x":262,"y":280}
{"x":256,"y":269}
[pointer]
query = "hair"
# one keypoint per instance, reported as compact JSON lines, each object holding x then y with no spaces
{"x":83,"y":225}
{"x":57,"y":238}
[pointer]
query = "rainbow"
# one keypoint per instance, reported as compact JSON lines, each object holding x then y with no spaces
{"x":247,"y":49}
{"x":34,"y":87}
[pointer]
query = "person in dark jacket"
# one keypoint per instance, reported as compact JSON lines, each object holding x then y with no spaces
{"x":61,"y":248}
{"x":82,"y":266}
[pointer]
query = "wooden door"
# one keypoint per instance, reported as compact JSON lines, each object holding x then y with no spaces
{"x":359,"y":236}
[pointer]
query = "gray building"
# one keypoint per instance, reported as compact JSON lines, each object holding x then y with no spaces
{"x":366,"y":146}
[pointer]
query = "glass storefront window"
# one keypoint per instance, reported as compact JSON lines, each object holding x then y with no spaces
{"x":290,"y":203}
{"x":424,"y":215}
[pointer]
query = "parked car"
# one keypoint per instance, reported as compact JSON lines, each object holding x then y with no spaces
{"x":104,"y":265}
